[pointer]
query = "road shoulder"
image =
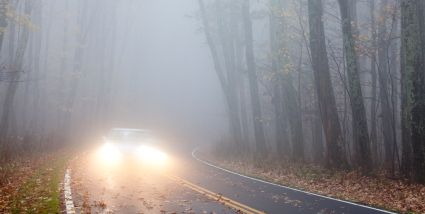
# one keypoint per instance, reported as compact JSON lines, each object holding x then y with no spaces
{"x":308,"y":186}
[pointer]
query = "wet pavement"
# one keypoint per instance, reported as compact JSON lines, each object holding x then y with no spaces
{"x":131,"y":187}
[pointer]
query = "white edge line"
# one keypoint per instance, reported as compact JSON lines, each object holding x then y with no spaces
{"x":69,"y":204}
{"x":282,"y":186}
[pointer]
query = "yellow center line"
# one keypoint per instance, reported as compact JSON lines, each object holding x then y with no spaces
{"x":216,"y":196}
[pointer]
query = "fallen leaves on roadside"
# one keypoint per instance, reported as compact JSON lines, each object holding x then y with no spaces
{"x":101,"y":204}
{"x":378,"y":191}
{"x":29,"y":184}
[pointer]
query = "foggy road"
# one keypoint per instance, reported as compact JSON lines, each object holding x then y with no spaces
{"x":187,"y":185}
{"x":324,"y":95}
{"x":131,"y":188}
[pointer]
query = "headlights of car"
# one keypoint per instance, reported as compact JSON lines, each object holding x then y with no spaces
{"x":151,"y":155}
{"x":109,"y":154}
{"x":113,"y":153}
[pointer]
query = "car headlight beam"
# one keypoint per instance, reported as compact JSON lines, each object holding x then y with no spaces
{"x":151,"y":155}
{"x":109,"y":154}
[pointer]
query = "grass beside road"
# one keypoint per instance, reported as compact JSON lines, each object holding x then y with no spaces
{"x":33,"y":185}
{"x":377,"y":191}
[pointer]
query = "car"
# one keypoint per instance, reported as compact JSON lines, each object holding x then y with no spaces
{"x":128,"y":143}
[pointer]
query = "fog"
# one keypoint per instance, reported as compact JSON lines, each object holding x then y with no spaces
{"x":145,"y":64}
{"x":327,"y":96}
{"x":331,"y":82}
{"x":165,"y":78}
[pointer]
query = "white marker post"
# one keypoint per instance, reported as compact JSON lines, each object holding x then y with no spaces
{"x":69,"y":204}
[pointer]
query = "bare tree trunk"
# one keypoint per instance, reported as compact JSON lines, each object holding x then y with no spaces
{"x":413,"y":88}
{"x":85,"y":22}
{"x":17,"y":71}
{"x":360,"y":130}
{"x":383,"y":73}
{"x":293,"y":113}
{"x":373,"y":129}
{"x":34,"y":124}
{"x":227,"y":82}
{"x":276,"y":44}
{"x":253,"y":84}
{"x":287,"y":104}
{"x":394,"y":78}
{"x":228,"y":46}
{"x":241,"y":82}
{"x":323,"y":83}
{"x":317,"y":133}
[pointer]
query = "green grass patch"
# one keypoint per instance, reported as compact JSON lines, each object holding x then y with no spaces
{"x":41,"y":193}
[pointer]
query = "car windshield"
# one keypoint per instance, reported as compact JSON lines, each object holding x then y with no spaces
{"x":129,"y":135}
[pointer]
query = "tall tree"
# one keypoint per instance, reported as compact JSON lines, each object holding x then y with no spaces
{"x":276,"y":46}
{"x":383,"y":74}
{"x":17,"y":70}
{"x":359,"y":121}
{"x":85,"y":22}
{"x":292,"y":107}
{"x":373,"y":63}
{"x":227,"y":73}
{"x":413,"y":88}
{"x":323,"y":83}
{"x":285,"y":93}
{"x":34,"y":124}
{"x":252,"y":77}
{"x":226,"y":24}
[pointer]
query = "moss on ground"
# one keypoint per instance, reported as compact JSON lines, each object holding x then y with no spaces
{"x":41,"y":192}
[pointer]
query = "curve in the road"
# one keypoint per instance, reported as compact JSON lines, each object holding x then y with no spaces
{"x":282,"y":186}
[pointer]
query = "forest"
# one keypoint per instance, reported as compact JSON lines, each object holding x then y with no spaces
{"x":337,"y":85}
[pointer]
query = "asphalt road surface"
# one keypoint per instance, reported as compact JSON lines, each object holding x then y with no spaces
{"x":187,"y":185}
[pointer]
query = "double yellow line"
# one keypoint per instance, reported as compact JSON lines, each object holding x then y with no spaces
{"x":240,"y":208}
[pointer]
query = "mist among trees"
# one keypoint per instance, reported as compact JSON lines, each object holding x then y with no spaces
{"x":335,"y":83}
{"x":332,"y":82}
